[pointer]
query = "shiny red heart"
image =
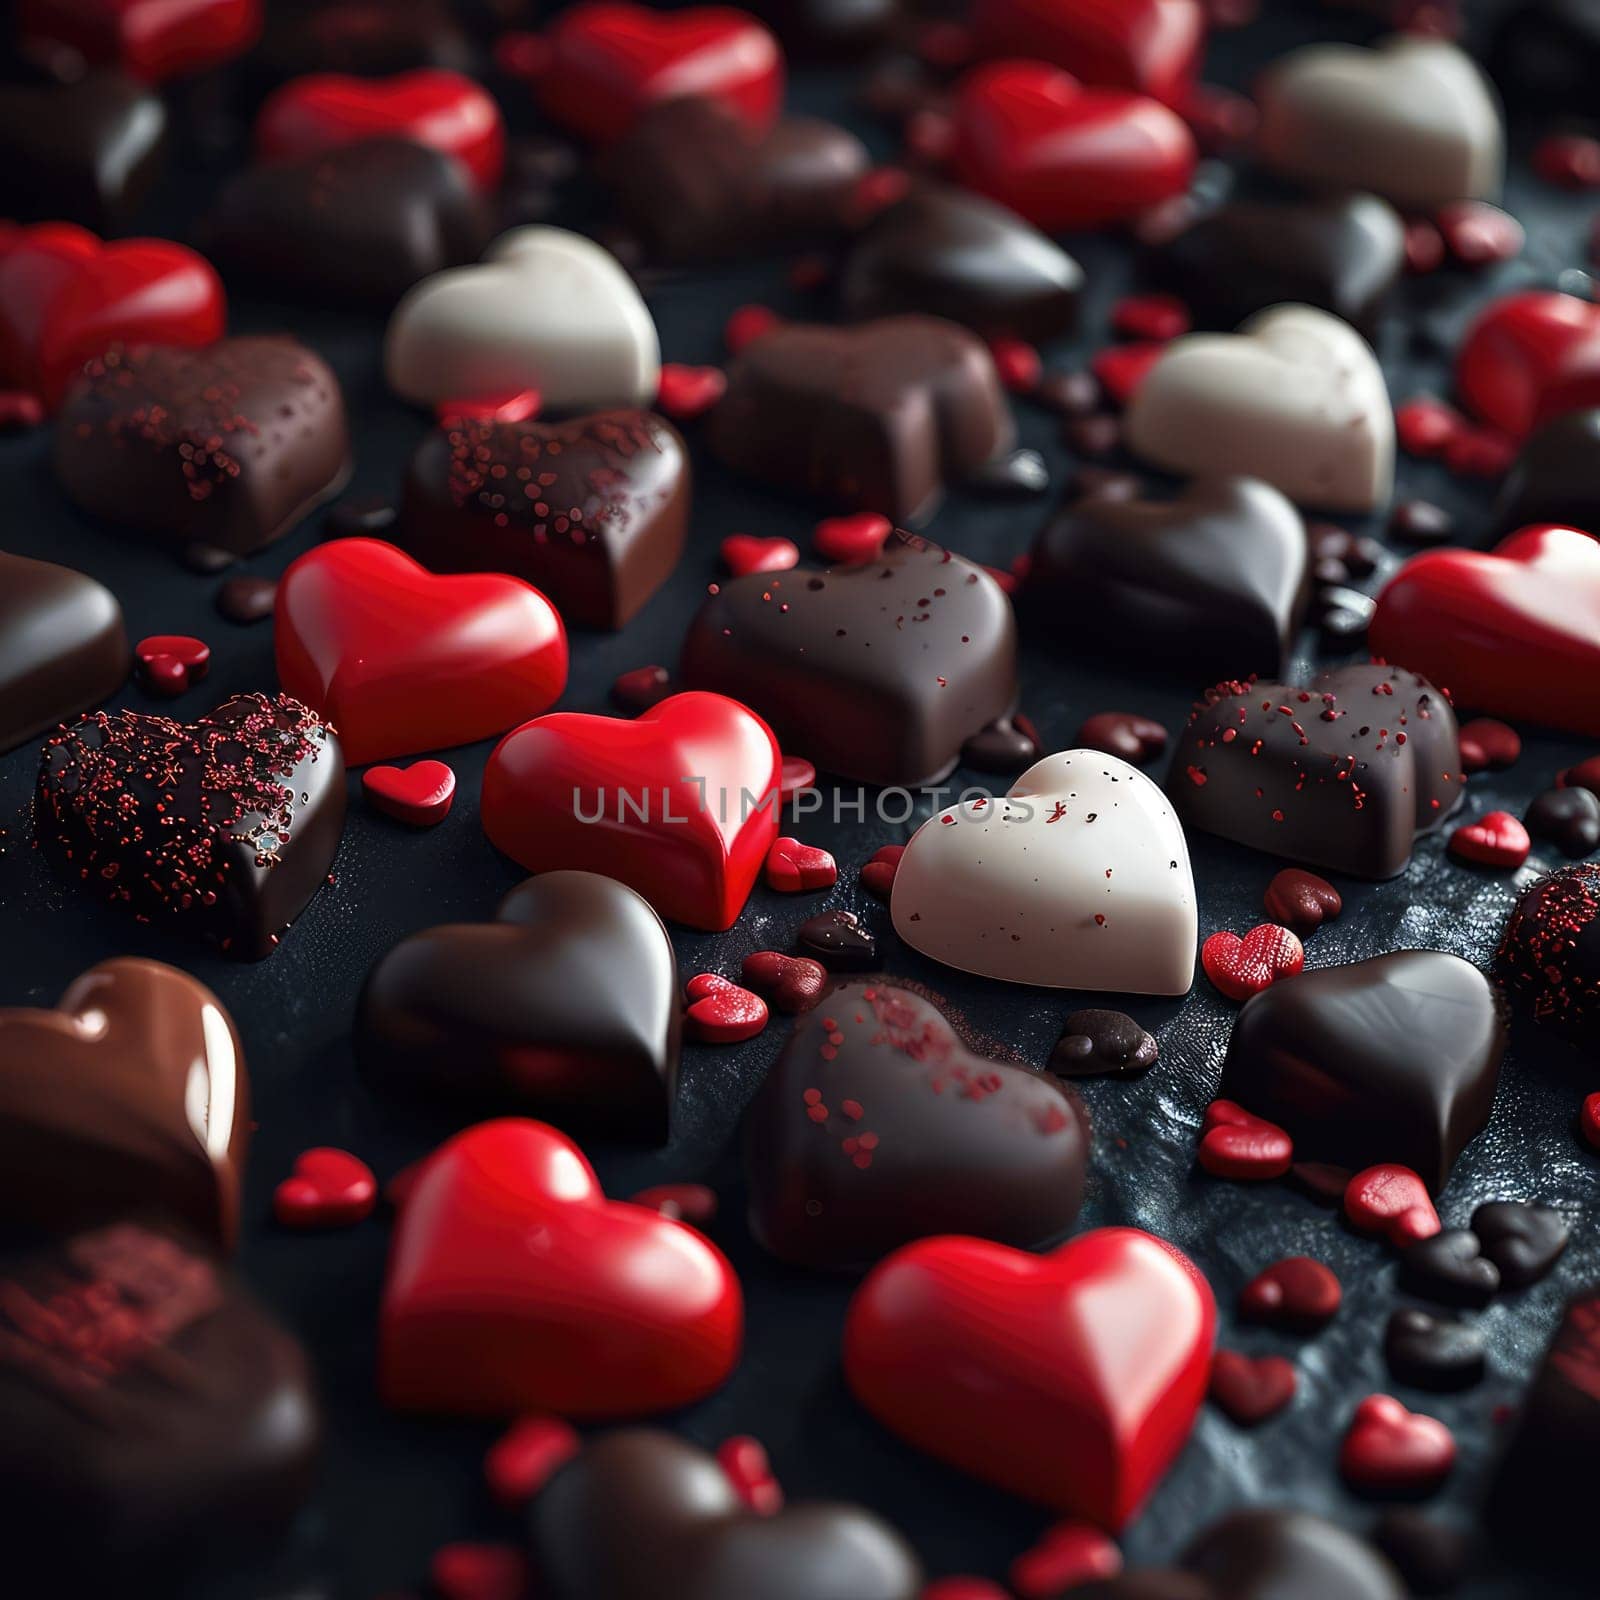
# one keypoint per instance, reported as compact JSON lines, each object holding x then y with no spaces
{"x":1067,"y":1556}
{"x":514,"y":1285}
{"x":524,"y":1459}
{"x":680,"y":803}
{"x":1389,"y":1450}
{"x":1496,"y":839}
{"x":328,"y":1188}
{"x":148,"y":39}
{"x":1530,"y":357}
{"x":168,"y":663}
{"x":1245,"y":1148}
{"x":420,"y":794}
{"x":1301,"y":900}
{"x":795,"y":868}
{"x":1240,"y":968}
{"x":400,"y":660}
{"x":1514,"y":631}
{"x":684,"y":393}
{"x":1065,"y":156}
{"x":851,"y":541}
{"x":720,"y":1012}
{"x":430,"y":106}
{"x":1298,"y":1293}
{"x":1251,"y":1388}
{"x":1121,"y":368}
{"x":1589,"y":1120}
{"x":608,"y":62}
{"x":65,"y":298}
{"x":743,"y":552}
{"x":791,"y":983}
{"x":877,"y":876}
{"x":1391,"y":1200}
{"x":1487,"y":742}
{"x":1151,"y":46}
{"x":1071,"y":1378}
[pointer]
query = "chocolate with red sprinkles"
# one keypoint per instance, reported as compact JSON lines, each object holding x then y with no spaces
{"x":1549,"y":955}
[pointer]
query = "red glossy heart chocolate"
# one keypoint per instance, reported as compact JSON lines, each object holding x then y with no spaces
{"x":1529,"y":357}
{"x":680,"y":803}
{"x":66,"y":297}
{"x":720,"y":1012}
{"x":685,"y":393}
{"x":1302,"y":900}
{"x":1238,"y":1145}
{"x":607,"y":61}
{"x":1514,"y":631}
{"x":1392,"y":1200}
{"x":514,"y":1285}
{"x":1391,"y":1451}
{"x":1066,"y":156}
{"x":1240,"y":968}
{"x":791,"y":983}
{"x":420,"y":794}
{"x":148,"y":39}
{"x":169,"y":663}
{"x":1298,"y":1293}
{"x":1251,"y":1388}
{"x":853,"y":540}
{"x":1496,"y":839}
{"x":795,"y":868}
{"x":328,"y":1188}
{"x":401,"y":660}
{"x":744,"y":552}
{"x":444,"y":110}
{"x":1071,"y":1378}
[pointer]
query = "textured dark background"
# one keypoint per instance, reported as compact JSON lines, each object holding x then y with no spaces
{"x":394,"y":1490}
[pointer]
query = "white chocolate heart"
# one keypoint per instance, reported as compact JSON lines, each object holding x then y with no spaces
{"x":1295,"y":397}
{"x":1079,"y":878}
{"x":545,"y":309}
{"x":1412,"y":119}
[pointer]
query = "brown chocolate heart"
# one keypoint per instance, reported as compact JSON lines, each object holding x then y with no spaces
{"x":130,"y":1097}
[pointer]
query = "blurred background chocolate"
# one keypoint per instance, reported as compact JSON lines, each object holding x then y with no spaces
{"x":1556,"y":477}
{"x":1546,"y":56}
{"x":366,"y":38}
{"x":836,"y":30}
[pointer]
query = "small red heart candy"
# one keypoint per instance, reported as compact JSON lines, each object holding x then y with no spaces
{"x":1123,"y":367}
{"x":745,"y":1465}
{"x":746,"y":323}
{"x":877,"y":876}
{"x":1589,"y":1119}
{"x":1249,"y":1389}
{"x":682,"y":1202}
{"x":795,"y":868}
{"x":1234,"y":1144}
{"x":794,"y":774}
{"x":743,"y":552}
{"x":420,"y":794}
{"x":1488,"y":742}
{"x":169,"y":663}
{"x":19,"y":410}
{"x":328,"y":1188}
{"x":1478,"y":234}
{"x":1391,"y":1451}
{"x":1296,"y":1293}
{"x":515,"y":405}
{"x":720,"y":1012}
{"x":1017,"y":364}
{"x":1391,"y":1200}
{"x":524,"y":1459}
{"x":685,"y":393}
{"x":1586,"y":775}
{"x":1125,"y":734}
{"x":1496,"y":839}
{"x":1425,"y":426}
{"x":1301,"y":900}
{"x":642,"y":688}
{"x":792,"y":983}
{"x":1068,"y":1555}
{"x":468,"y":1571}
{"x":851,"y":541}
{"x":1243,"y":967}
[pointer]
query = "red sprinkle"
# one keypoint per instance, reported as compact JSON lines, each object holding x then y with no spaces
{"x":1123,"y":367}
{"x":720,"y":1012}
{"x":1496,"y":839}
{"x":685,"y":393}
{"x":1150,"y":316}
{"x":745,"y":1465}
{"x":1391,"y":1200}
{"x":747,"y":323}
{"x":1069,"y":1554}
{"x":328,"y":1188}
{"x":1245,"y":1148}
{"x":524,"y":1458}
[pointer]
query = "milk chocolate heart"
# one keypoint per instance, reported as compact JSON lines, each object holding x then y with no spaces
{"x":1529,"y":357}
{"x":1556,"y":477}
{"x":1295,"y":397}
{"x":878,"y":672}
{"x":1077,"y":879}
{"x":878,"y":417}
{"x":222,"y":828}
{"x":514,"y":1285}
{"x":593,"y":511}
{"x":854,"y":1142}
{"x":545,"y":309}
{"x":1342,"y":774}
{"x":565,"y":1007}
{"x":690,"y":1533}
{"x":1071,"y":1379}
{"x":1219,"y":576}
{"x":225,"y":448}
{"x":130,"y":1097}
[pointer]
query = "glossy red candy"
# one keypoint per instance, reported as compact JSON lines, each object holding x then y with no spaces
{"x":147,"y":39}
{"x":1497,"y":839}
{"x":1237,"y":1145}
{"x":1391,"y":1200}
{"x":1514,"y":631}
{"x":1071,"y":1378}
{"x":1251,"y":1388}
{"x":65,"y":297}
{"x":514,"y":1285}
{"x":401,"y":660}
{"x":420,"y":794}
{"x":328,"y":1188}
{"x":1391,"y":1451}
{"x":679,"y":803}
{"x":721,"y":1012}
{"x":1297,"y":1293}
{"x":1066,"y":156}
{"x":607,"y":62}
{"x":1241,"y":967}
{"x":1531,"y":356}
{"x":444,"y":110}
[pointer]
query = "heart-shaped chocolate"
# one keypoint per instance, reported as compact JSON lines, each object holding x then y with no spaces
{"x":1331,"y":1055}
{"x":1341,"y":774}
{"x":690,"y":1533}
{"x":1449,"y":1268}
{"x":1528,"y":357}
{"x":1556,"y":477}
{"x":1295,"y":397}
{"x":878,"y":1124}
{"x":158,"y":1117}
{"x":1429,"y":1352}
{"x":225,"y":448}
{"x":876,"y":417}
{"x":1217,"y":578}
{"x":545,"y":309}
{"x":222,"y":828}
{"x":950,"y":254}
{"x":592,"y":511}
{"x":1549,"y":955}
{"x":1523,"y":1240}
{"x":879,"y":671}
{"x":565,"y":1007}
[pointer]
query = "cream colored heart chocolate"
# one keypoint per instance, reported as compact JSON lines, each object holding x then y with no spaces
{"x":1077,"y":879}
{"x":545,"y":309}
{"x":1412,"y":119}
{"x":1295,"y":397}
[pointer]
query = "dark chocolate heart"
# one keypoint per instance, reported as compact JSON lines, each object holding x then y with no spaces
{"x":878,"y":1125}
{"x":565,"y":1007}
{"x":640,"y":1515}
{"x":221,"y":829}
{"x":359,"y":223}
{"x":1216,"y":580}
{"x":1449,"y":1268}
{"x":158,"y":1117}
{"x":952,"y":254}
{"x":1567,"y":818}
{"x":878,"y":672}
{"x":1094,"y":1042}
{"x":1431,"y":1352}
{"x":1549,"y":955}
{"x":592,"y":511}
{"x":226,"y":447}
{"x":1524,"y":1241}
{"x":1342,"y":774}
{"x":1331,"y":1056}
{"x":878,"y":417}
{"x":840,"y":940}
{"x":1556,"y":477}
